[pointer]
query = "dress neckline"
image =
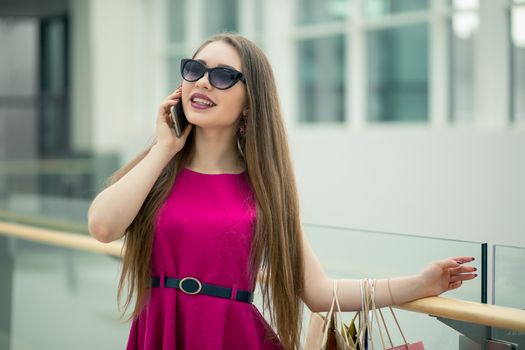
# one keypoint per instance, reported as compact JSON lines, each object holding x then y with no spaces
{"x":206,"y":174}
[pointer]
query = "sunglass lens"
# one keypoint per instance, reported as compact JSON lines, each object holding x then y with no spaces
{"x":193,"y":70}
{"x":222,"y":78}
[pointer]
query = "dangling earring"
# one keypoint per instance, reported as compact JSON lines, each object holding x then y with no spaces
{"x":242,"y":128}
{"x":239,"y":147}
{"x":242,"y":135}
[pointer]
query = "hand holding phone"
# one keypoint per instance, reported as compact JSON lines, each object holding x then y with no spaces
{"x":178,"y":118}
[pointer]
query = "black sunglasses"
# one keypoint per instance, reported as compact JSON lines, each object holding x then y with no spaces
{"x":219,"y":77}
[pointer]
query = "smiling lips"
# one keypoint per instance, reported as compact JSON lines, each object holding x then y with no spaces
{"x":201,"y":101}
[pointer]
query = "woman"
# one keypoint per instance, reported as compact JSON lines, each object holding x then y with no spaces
{"x":219,"y":205}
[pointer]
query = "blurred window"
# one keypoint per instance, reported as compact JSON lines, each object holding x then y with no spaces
{"x":176,"y":27}
{"x":321,"y":79}
{"x":35,"y":80}
{"x":397,"y":82}
{"x":174,"y":71}
{"x":176,"y":20}
{"x":378,"y":8}
{"x":19,"y":91}
{"x":222,"y":16}
{"x":317,"y":11}
{"x":518,"y":61}
{"x":54,"y":87}
{"x":40,"y":173}
{"x":321,"y":56}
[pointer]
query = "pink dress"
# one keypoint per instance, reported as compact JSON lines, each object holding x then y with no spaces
{"x":203,"y":230}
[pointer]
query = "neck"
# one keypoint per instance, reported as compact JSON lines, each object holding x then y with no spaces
{"x":216,"y":151}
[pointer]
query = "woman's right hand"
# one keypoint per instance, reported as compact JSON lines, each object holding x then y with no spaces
{"x":444,"y":275}
{"x":165,"y":133}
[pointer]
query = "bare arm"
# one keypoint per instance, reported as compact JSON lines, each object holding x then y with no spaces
{"x":435,"y":279}
{"x":115,"y":208}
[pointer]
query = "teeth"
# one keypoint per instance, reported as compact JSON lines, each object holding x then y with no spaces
{"x":202,"y":101}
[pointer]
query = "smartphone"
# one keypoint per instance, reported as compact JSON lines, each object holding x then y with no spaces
{"x":178,"y":118}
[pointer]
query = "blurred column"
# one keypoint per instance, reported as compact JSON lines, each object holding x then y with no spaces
{"x":491,"y":65}
{"x":196,"y":35}
{"x":81,"y":63}
{"x":6,"y":292}
{"x":247,"y":18}
{"x":357,"y":63}
{"x":439,"y":65}
{"x":279,"y":46}
{"x":517,"y":32}
{"x":463,"y":36}
{"x":114,"y":28}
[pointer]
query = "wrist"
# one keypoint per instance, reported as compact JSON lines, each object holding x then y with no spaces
{"x":164,"y":151}
{"x":420,"y":289}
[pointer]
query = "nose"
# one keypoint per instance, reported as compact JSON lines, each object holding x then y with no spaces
{"x":204,"y":81}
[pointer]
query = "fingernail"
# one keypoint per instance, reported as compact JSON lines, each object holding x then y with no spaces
{"x":473,"y":258}
{"x":475,"y":269}
{"x":475,"y":275}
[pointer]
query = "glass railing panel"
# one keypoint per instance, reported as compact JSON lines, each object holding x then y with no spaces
{"x":53,"y":193}
{"x":63,"y":298}
{"x":508,"y":282}
{"x":347,"y":253}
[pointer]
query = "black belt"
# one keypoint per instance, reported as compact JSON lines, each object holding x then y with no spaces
{"x":192,"y":286}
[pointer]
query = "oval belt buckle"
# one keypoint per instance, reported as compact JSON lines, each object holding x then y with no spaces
{"x":190,"y":285}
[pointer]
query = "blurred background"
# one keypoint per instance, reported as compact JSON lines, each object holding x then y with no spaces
{"x":403,"y":116}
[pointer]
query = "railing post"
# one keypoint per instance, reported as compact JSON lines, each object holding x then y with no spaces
{"x":484,"y":271}
{"x":6,"y":292}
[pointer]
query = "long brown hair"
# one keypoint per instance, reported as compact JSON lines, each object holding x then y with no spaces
{"x":276,"y":254}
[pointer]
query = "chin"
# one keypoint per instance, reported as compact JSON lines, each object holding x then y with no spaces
{"x":198,"y":119}
{"x":194,"y":118}
{"x":211,"y":120}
